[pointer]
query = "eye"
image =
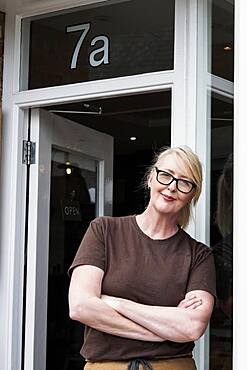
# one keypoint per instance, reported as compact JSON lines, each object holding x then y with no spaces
{"x":165,"y":177}
{"x":184,"y":182}
{"x":184,"y":186}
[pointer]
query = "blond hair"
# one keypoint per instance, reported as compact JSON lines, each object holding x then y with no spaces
{"x":193,"y":167}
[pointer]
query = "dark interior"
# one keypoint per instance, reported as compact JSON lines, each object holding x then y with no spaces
{"x":145,"y":117}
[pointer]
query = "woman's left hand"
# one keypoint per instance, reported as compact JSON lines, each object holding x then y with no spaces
{"x":190,"y":302}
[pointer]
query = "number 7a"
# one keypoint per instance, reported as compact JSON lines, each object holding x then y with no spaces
{"x":80,"y":27}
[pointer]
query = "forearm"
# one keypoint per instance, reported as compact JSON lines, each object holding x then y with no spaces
{"x":93,"y":312}
{"x":171,"y":323}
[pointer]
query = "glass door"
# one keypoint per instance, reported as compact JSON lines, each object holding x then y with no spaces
{"x":73,"y":204}
{"x":221,"y":229}
{"x":70,"y":184}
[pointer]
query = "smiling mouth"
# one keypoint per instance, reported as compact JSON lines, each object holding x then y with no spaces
{"x":167,"y":197}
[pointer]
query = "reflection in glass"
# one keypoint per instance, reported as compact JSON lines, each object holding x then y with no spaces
{"x":221,"y":32}
{"x":72,"y":206}
{"x":221,"y":230}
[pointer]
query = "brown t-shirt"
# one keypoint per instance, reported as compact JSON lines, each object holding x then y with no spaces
{"x":151,"y":272}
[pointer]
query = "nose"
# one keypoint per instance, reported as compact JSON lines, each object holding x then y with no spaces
{"x":172,"y":186}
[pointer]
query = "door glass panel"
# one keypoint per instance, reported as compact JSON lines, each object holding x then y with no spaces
{"x":73,"y":204}
{"x":221,"y":34}
{"x":95,"y":42}
{"x":221,"y":233}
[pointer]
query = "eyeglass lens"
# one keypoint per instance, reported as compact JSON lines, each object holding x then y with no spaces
{"x":166,"y":179}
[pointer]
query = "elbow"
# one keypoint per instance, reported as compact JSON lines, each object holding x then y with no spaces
{"x":83,"y":310}
{"x":75,"y":312}
{"x":197,"y":329}
{"x":79,"y":311}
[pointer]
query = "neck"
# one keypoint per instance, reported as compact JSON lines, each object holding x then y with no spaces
{"x":157,"y":226}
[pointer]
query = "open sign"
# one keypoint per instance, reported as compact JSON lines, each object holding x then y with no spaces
{"x":71,"y":211}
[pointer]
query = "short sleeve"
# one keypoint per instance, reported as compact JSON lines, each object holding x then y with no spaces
{"x":92,"y":248}
{"x":202,"y":274}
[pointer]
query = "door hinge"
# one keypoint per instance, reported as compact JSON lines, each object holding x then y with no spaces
{"x":29,"y":152}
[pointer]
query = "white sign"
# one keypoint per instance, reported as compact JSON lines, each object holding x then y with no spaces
{"x":104,"y":49}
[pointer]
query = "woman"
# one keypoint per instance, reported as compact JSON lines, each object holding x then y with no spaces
{"x":144,"y":288}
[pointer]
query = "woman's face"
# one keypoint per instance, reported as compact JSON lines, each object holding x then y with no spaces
{"x":167,"y":199}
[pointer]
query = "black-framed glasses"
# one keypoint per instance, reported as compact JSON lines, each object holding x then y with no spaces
{"x":165,"y":178}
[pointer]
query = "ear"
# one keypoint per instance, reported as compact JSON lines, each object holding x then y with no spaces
{"x":150,"y":179}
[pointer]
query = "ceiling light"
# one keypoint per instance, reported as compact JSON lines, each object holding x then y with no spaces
{"x":227,"y":48}
{"x":133,"y":138}
{"x":68,"y":171}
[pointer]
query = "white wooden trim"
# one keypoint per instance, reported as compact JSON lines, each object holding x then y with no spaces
{"x":240,"y":186}
{"x":178,"y":116}
{"x":12,"y":239}
{"x":202,"y":130}
{"x":31,"y":9}
{"x":155,"y":81}
{"x":32,"y":259}
{"x":191,"y":88}
{"x":13,"y":198}
{"x":202,"y":351}
{"x":19,"y":245}
{"x":203,"y":143}
{"x":189,"y":115}
{"x":191,"y":80}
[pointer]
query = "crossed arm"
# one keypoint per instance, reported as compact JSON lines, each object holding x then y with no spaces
{"x":125,"y":318}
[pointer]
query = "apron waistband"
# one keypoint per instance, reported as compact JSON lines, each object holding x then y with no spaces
{"x":176,"y":363}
